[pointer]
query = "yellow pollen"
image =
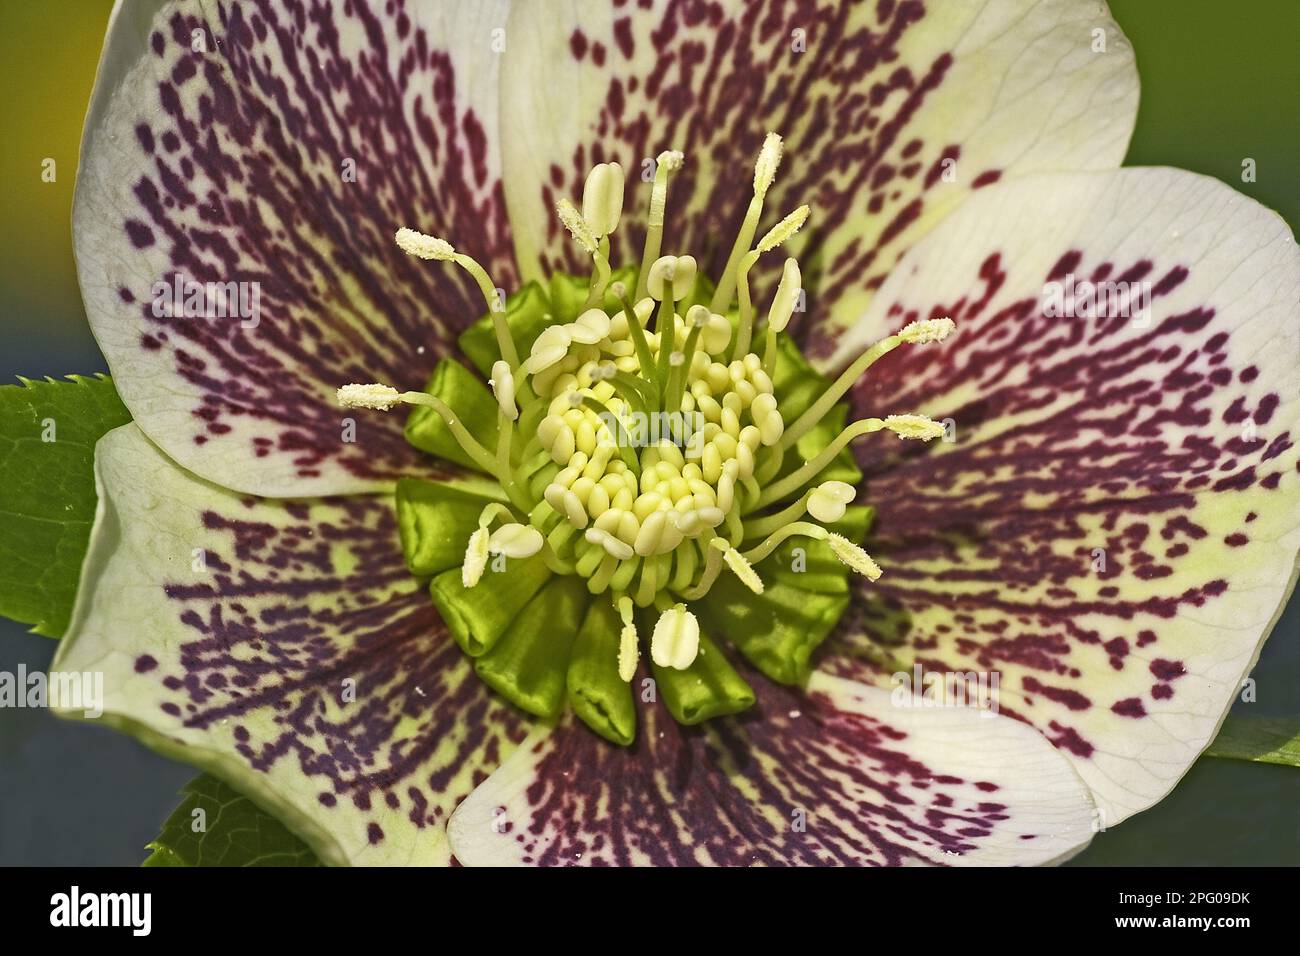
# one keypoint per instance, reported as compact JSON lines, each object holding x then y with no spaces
{"x":422,"y":246}
{"x":853,"y":556}
{"x":914,"y":426}
{"x":381,"y":397}
{"x":628,"y":646}
{"x":769,"y":158}
{"x":476,"y":558}
{"x":576,"y":225}
{"x":924,"y":331}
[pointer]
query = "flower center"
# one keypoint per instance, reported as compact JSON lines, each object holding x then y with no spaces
{"x":644,"y":446}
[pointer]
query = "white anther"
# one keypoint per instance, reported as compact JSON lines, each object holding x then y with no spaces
{"x":742,"y":568}
{"x":576,"y":225}
{"x":654,"y":528}
{"x":671,"y":159}
{"x":628,"y":646}
{"x":382,"y":397}
{"x":853,"y":556}
{"x":768,"y":418}
{"x":716,"y":335}
{"x":602,"y":198}
{"x":786,"y":298}
{"x":476,"y":557}
{"x":503,"y":387}
{"x":828,"y":501}
{"x":574,"y":511}
{"x":590,"y":327}
{"x":923,"y":331}
{"x":679,"y":270}
{"x":424,"y":247}
{"x":676,"y":639}
{"x":914,"y":426}
{"x":515,"y":540}
{"x":783,"y":230}
{"x":769,"y":158}
{"x":549,"y":348}
{"x":612,"y":545}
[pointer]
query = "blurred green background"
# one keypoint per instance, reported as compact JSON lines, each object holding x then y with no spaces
{"x":1220,"y":83}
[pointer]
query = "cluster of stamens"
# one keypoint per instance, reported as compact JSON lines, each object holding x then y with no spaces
{"x":655,"y":426}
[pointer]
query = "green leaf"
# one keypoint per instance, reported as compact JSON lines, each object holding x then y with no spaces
{"x":48,"y":432}
{"x":236,"y":832}
{"x":1261,"y":739}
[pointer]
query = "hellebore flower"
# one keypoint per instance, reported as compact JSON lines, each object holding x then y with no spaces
{"x":650,"y":650}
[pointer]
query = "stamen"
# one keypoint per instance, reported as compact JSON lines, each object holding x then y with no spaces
{"x":762,"y":526}
{"x":476,"y":558}
{"x":696,"y":318}
{"x":581,"y":232}
{"x":644,"y":360}
{"x":576,"y":225}
{"x":424,"y":247}
{"x":628,"y":646}
{"x":917,"y":333}
{"x":808,"y":530}
{"x":381,"y":397}
{"x":742,"y":569}
{"x":676,"y":639}
{"x":515,"y":540}
{"x":503,"y":387}
{"x":853,"y":556}
{"x":602,"y":199}
{"x":667,"y":163}
{"x":431,"y":247}
{"x":778,"y":234}
{"x":769,"y":158}
{"x":384,"y":397}
{"x":829,"y":500}
{"x":778,"y":316}
{"x":905,"y":426}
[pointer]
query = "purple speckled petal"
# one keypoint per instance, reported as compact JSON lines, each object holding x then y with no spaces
{"x":892,"y":112}
{"x":836,"y":775}
{"x":1115,"y":527}
{"x":278,"y":146}
{"x":284,"y":646}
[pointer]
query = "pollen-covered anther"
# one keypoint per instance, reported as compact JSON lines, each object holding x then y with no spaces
{"x":784,"y":229}
{"x":476,"y":557}
{"x":739,"y":566}
{"x":577,"y":226}
{"x":676,"y":639}
{"x":671,"y":159}
{"x":381,"y":397}
{"x":424,"y":246}
{"x":628,"y":645}
{"x":914,"y":426}
{"x":769,"y":160}
{"x":924,"y":331}
{"x":853,"y":556}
